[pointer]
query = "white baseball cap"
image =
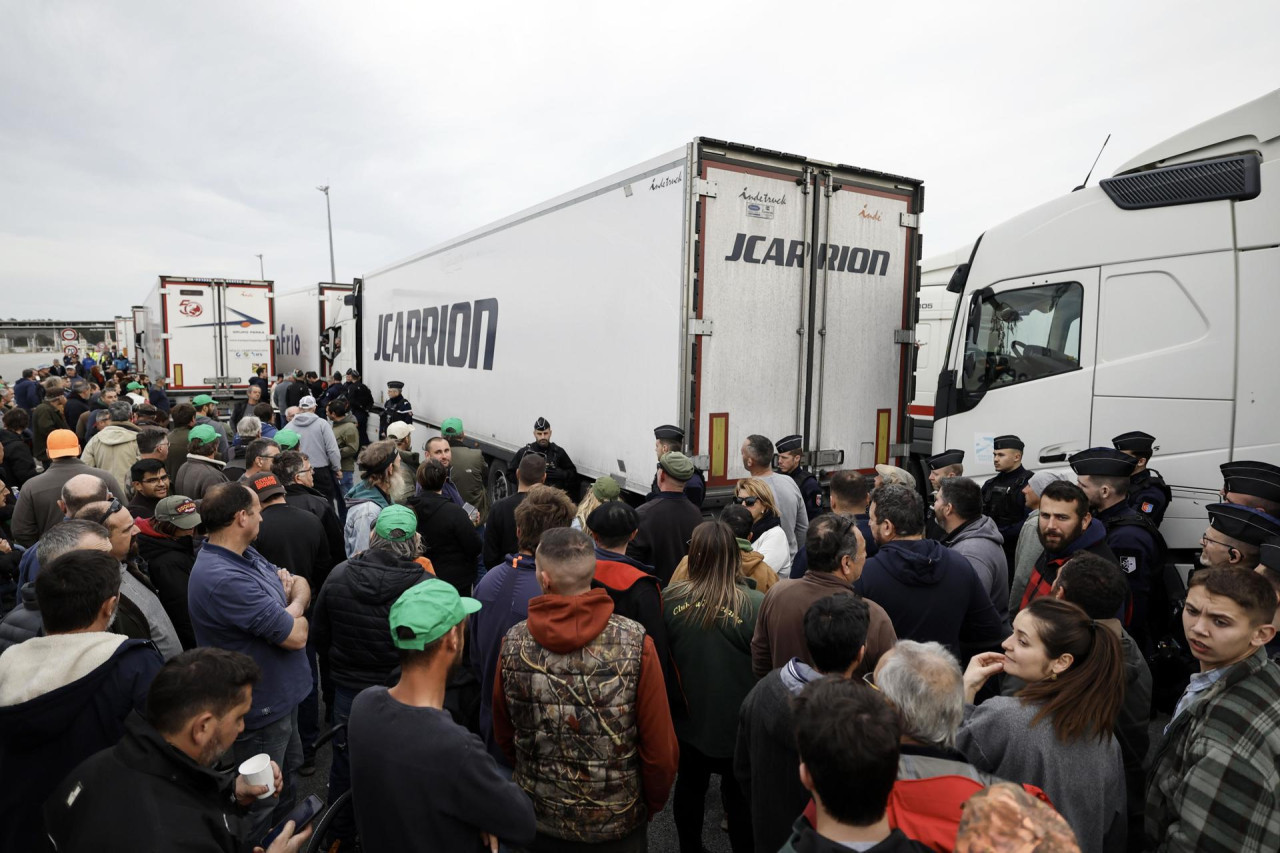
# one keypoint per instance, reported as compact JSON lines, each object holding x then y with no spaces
{"x":399,"y":430}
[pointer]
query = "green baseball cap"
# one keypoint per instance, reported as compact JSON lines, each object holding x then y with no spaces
{"x":133,"y":386}
{"x":451,"y":426}
{"x":396,"y":523}
{"x":203,"y":433}
{"x":426,"y":612}
{"x":287,"y":438}
{"x":606,"y":488}
{"x":201,"y":400}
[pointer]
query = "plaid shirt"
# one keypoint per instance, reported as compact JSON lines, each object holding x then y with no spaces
{"x":1215,"y":781}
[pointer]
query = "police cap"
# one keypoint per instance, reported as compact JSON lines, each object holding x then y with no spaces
{"x":396,"y":384}
{"x":1141,"y":443}
{"x":613,"y":520}
{"x":1270,"y":554}
{"x":668,"y":432}
{"x":945,"y":458}
{"x":1244,"y":523}
{"x":1007,"y":442}
{"x":540,"y":424}
{"x":789,"y":443}
{"x":1102,"y":462}
{"x":353,"y":373}
{"x":1258,"y":479}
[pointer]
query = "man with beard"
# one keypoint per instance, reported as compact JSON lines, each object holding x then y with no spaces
{"x":1105,"y":475}
{"x":65,"y":695}
{"x":1066,"y":527}
{"x":399,"y":737}
{"x":157,"y":789}
{"x":561,"y":471}
{"x":1235,"y":535}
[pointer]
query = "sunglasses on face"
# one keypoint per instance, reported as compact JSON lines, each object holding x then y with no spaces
{"x":745,"y":501}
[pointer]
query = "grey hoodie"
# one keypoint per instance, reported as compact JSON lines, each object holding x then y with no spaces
{"x":316,"y":439}
{"x":982,"y":545}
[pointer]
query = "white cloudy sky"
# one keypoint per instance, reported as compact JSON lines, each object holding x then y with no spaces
{"x":139,"y":138}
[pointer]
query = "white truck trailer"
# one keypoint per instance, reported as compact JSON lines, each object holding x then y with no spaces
{"x":1148,"y":302}
{"x":933,"y":327}
{"x":206,"y":334}
{"x":727,"y":289}
{"x":315,"y":329}
{"x":124,"y":336}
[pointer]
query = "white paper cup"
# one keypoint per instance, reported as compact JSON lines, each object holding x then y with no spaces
{"x":257,"y":771}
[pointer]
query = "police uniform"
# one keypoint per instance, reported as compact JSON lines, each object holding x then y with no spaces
{"x":1256,"y":479}
{"x":360,"y":399}
{"x":696,"y":487}
{"x":1132,"y":537}
{"x":393,"y":410}
{"x":1245,"y":523}
{"x":1148,"y":492}
{"x":1002,"y":498}
{"x":932,"y":529}
{"x":561,"y":471}
{"x":806,"y":480}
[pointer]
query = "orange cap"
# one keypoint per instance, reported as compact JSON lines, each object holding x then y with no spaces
{"x":62,"y":442}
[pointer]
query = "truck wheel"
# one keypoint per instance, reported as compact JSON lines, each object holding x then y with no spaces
{"x":499,"y":487}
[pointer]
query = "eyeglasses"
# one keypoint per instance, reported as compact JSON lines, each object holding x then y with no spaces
{"x":110,"y":511}
{"x":869,"y":679}
{"x":745,"y":501}
{"x":148,"y":481}
{"x":1205,"y":540}
{"x":306,"y":471}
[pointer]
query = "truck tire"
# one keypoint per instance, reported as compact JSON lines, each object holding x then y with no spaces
{"x":499,"y":486}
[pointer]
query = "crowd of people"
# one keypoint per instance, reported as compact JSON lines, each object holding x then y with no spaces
{"x":859,"y":667}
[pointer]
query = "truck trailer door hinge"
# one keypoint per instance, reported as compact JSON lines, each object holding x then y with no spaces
{"x":899,"y":450}
{"x":701,"y":186}
{"x":909,"y":220}
{"x":904,"y":336}
{"x":701,"y":326}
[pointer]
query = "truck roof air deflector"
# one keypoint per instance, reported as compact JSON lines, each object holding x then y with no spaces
{"x":1236,"y":178}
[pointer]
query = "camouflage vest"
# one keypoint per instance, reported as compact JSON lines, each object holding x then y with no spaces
{"x":574,"y":717}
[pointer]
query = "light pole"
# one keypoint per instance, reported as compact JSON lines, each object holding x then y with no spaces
{"x":262,"y":275}
{"x":333,"y":276}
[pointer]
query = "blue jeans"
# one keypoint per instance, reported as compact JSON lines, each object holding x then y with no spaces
{"x":280,"y":740}
{"x":340,"y":766}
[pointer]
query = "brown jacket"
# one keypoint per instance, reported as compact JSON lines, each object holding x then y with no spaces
{"x":752,"y":566}
{"x":779,"y":633}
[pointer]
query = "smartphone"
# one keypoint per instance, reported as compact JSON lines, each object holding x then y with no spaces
{"x":302,"y":815}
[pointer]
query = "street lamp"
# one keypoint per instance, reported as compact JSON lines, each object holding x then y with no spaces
{"x":333,"y":276}
{"x":262,"y":275}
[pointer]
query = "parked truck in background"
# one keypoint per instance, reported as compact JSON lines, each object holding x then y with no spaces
{"x":315,"y":329}
{"x":933,"y":326}
{"x":1147,"y":302}
{"x":728,"y":289}
{"x":206,"y":334}
{"x":124,"y":336}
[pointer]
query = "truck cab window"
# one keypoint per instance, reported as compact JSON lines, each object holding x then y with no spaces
{"x":1022,"y":335}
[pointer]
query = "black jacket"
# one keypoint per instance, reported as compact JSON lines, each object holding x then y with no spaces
{"x":19,"y":463}
{"x":22,"y":622}
{"x":349,"y":621}
{"x":296,"y":494}
{"x":76,"y":406}
{"x":666,"y":523}
{"x":500,"y":530}
{"x":169,"y":563}
{"x":449,"y":540}
{"x":144,"y":795}
{"x":294,"y":539}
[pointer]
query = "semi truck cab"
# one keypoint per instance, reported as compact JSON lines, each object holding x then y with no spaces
{"x":1148,"y":302}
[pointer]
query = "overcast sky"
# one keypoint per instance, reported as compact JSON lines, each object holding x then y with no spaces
{"x":143,"y":138}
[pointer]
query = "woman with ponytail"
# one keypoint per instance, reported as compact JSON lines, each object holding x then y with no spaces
{"x":1056,"y":732}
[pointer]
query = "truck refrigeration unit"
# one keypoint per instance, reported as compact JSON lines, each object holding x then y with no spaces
{"x":206,"y":334}
{"x":315,"y":329}
{"x":1148,"y":302}
{"x":728,"y":289}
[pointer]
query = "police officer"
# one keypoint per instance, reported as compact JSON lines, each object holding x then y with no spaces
{"x":670,"y":439}
{"x":1235,"y":536}
{"x":1255,"y":484}
{"x":1148,"y":492}
{"x":361,"y":400}
{"x":1002,"y":497}
{"x":790,"y":453}
{"x":948,"y":463}
{"x":561,"y":472}
{"x":1103,"y":474}
{"x":396,"y":408}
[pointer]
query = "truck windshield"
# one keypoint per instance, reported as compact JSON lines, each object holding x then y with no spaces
{"x":1022,"y":335}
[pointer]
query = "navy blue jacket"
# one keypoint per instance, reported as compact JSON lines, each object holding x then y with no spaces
{"x":1140,"y":550}
{"x":931,"y":593}
{"x":1149,"y":495}
{"x":25,"y":394}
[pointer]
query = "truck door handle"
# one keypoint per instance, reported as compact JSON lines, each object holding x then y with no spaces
{"x":1055,"y":457}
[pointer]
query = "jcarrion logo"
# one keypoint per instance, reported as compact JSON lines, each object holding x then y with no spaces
{"x":440,"y":336}
{"x":190,"y":308}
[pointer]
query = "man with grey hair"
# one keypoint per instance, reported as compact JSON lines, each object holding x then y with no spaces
{"x":757,"y":458}
{"x":23,"y":622}
{"x":114,"y":448}
{"x":77,"y":492}
{"x":248,"y":430}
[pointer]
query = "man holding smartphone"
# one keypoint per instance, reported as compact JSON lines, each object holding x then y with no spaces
{"x":157,"y":789}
